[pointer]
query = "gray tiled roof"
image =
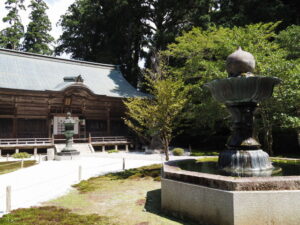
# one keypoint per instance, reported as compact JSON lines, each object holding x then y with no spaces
{"x":34,"y":72}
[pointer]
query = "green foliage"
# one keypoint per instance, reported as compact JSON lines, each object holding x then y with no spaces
{"x":21,"y":155}
{"x":37,"y":37}
{"x":95,"y":182}
{"x":113,"y":151}
{"x":10,"y":37}
{"x":202,"y":54}
{"x":239,"y":13}
{"x":158,"y":114}
{"x":92,"y":32}
{"x":289,"y":39}
{"x":50,"y":215}
{"x":178,"y":151}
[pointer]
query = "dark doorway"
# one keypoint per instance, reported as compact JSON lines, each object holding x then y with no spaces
{"x":96,"y":128}
{"x":32,"y":128}
{"x":118,"y":128}
{"x":6,"y":127}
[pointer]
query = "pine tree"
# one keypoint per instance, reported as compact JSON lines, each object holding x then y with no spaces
{"x":37,"y":37}
{"x":10,"y":37}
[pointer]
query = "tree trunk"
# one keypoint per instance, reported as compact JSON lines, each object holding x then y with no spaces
{"x":165,"y":143}
{"x":166,"y":149}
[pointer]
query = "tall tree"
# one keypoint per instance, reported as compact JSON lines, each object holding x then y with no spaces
{"x":238,"y":13}
{"x":10,"y":37}
{"x":203,"y":53}
{"x":167,"y":19}
{"x":157,"y":116}
{"x":107,"y":31}
{"x":37,"y":37}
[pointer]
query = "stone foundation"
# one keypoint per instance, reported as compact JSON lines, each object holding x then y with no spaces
{"x":221,"y":207}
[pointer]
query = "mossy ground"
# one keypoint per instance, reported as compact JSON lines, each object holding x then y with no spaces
{"x":50,"y":215}
{"x":201,"y":153}
{"x":7,"y":167}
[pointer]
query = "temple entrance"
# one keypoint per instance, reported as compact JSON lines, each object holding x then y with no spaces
{"x":97,"y":128}
{"x":6,"y":128}
{"x":32,"y":128}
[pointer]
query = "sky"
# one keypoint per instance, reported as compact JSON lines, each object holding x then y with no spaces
{"x":56,"y":9}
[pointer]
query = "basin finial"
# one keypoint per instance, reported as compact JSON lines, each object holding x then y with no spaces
{"x":240,"y":62}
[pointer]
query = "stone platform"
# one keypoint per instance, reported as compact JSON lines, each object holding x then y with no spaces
{"x":220,"y":200}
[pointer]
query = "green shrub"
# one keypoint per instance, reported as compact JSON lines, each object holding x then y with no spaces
{"x":178,"y":151}
{"x":21,"y":155}
{"x":113,"y":151}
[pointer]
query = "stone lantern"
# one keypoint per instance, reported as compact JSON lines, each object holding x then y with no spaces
{"x":69,"y":150}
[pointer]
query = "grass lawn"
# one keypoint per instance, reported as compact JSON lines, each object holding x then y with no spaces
{"x":131,"y":197}
{"x":7,"y":167}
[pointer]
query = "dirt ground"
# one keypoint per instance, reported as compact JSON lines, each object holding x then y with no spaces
{"x":126,"y":202}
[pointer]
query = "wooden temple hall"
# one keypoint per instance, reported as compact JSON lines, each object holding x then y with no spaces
{"x":37,"y":91}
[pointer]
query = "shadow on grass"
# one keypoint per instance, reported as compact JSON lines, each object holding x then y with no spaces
{"x":153,"y":205}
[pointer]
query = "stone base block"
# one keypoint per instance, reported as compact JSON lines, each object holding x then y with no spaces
{"x":60,"y":157}
{"x":219,"y":207}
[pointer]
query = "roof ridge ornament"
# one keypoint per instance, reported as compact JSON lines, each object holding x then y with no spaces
{"x":77,"y":79}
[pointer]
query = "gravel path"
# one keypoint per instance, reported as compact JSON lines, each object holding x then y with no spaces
{"x":51,"y":179}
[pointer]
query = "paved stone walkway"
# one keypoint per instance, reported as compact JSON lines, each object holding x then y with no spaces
{"x":51,"y":179}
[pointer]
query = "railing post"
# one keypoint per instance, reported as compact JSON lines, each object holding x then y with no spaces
{"x":22,"y":163}
{"x":103,"y":148}
{"x":52,"y":139}
{"x":123,"y":166}
{"x":8,"y":199}
{"x":0,"y":152}
{"x":126,"y":148}
{"x":90,"y":138}
{"x":7,"y":155}
{"x":35,"y":152}
{"x":116,"y":147}
{"x":79,"y":173}
{"x":17,"y":150}
{"x":35,"y":141}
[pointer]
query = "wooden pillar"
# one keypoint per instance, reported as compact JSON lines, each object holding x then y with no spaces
{"x":49,"y":127}
{"x":15,"y":125}
{"x":108,"y":122}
